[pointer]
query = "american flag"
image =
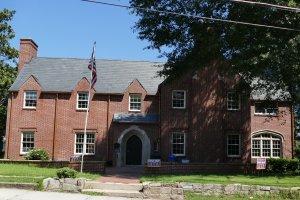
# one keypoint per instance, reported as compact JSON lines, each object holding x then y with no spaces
{"x":92,"y":67}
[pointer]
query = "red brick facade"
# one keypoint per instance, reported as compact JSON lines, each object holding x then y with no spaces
{"x":205,"y":120}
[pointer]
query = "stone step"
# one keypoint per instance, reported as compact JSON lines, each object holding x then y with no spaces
{"x":113,"y":186}
{"x":116,"y":193}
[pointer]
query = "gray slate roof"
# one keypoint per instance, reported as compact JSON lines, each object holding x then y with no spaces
{"x":114,"y":76}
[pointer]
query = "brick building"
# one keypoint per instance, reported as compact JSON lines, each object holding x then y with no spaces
{"x":135,"y":115}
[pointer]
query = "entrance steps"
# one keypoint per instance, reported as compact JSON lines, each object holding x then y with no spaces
{"x":114,"y":189}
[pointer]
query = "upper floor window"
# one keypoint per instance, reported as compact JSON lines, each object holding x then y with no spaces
{"x":27,"y":141}
{"x":30,"y":99}
{"x":266,"y":145}
{"x":178,"y":99}
{"x":89,"y":143}
{"x":266,"y":108}
{"x":82,"y":100}
{"x":135,"y":102}
{"x":233,"y":145}
{"x":233,"y":101}
{"x":178,"y":144}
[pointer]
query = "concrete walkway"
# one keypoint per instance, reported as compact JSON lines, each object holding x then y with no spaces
{"x":17,"y":194}
{"x":127,"y":175}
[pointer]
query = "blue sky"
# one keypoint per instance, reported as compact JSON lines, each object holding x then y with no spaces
{"x":67,"y":28}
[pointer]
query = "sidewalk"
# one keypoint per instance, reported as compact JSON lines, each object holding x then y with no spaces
{"x":16,"y":194}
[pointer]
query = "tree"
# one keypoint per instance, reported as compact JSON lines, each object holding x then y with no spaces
{"x":256,"y":53}
{"x":8,"y":57}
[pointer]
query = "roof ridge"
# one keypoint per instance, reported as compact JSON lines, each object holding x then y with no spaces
{"x":104,"y":59}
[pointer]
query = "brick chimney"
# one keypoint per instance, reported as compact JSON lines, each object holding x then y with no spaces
{"x":28,"y":50}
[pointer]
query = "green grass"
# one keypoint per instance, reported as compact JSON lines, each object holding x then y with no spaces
{"x":280,"y":196}
{"x":22,"y":173}
{"x":284,"y":181}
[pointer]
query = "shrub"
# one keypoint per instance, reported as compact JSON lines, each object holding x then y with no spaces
{"x":37,"y":154}
{"x":66,"y":172}
{"x":297,"y":151}
{"x":283,"y":166}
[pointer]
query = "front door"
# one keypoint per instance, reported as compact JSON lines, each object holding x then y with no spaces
{"x":134,"y":151}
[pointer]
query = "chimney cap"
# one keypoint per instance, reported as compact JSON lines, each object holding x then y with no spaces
{"x":29,"y":40}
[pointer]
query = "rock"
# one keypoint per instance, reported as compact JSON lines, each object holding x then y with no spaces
{"x":155,"y":184}
{"x":51,"y":184}
{"x":81,"y":182}
{"x":69,"y":188}
{"x":265,"y":188}
{"x":232,"y":188}
{"x":295,"y":189}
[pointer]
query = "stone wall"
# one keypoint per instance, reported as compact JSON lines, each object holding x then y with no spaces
{"x":66,"y":184}
{"x":176,"y":190}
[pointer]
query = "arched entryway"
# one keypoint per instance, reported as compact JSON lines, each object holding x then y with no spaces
{"x":136,"y":141}
{"x":134,"y":151}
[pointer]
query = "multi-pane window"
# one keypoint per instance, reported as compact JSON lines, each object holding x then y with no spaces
{"x":30,"y":99}
{"x":178,"y":99}
{"x":178,"y":144}
{"x":27,"y":142}
{"x":90,"y":143}
{"x":135,"y":102}
{"x":266,"y":108}
{"x":233,"y":145}
{"x":266,"y":145}
{"x":82,"y":100}
{"x":233,"y":101}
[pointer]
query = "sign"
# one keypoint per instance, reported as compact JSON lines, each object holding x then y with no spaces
{"x":154,"y":163}
{"x":261,"y":163}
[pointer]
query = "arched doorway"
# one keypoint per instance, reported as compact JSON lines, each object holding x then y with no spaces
{"x":134,"y":151}
{"x":127,"y":136}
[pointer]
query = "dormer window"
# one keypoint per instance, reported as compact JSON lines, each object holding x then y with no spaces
{"x":233,"y":101}
{"x":30,"y":99}
{"x":135,"y":102}
{"x":82,"y":100}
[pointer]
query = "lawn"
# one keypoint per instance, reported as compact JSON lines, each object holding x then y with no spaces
{"x":280,"y":196}
{"x":22,"y":173}
{"x":284,"y":181}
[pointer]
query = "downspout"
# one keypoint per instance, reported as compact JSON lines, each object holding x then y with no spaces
{"x":54,"y":127}
{"x":292,"y":127}
{"x":107,"y":123}
{"x":8,"y":127}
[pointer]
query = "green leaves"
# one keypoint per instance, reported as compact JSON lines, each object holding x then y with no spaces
{"x":8,"y":56}
{"x":254,"y":52}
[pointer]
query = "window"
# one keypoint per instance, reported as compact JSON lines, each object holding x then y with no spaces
{"x":233,"y":101}
{"x":27,"y":142}
{"x":30,"y":99}
{"x":82,"y":100}
{"x":135,"y":102}
{"x":233,"y":145}
{"x":178,"y":99}
{"x":90,"y":143}
{"x":266,"y":145}
{"x":178,"y":144}
{"x":266,"y":108}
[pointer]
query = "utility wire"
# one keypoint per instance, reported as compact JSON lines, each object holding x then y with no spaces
{"x":191,"y":16}
{"x":268,"y":5}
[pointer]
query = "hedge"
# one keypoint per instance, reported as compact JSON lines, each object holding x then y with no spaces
{"x":283,"y":166}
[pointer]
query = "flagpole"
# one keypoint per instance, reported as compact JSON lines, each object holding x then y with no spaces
{"x":86,"y":119}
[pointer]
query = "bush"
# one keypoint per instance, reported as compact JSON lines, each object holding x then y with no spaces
{"x":37,"y":154}
{"x":66,"y":172}
{"x":297,"y":151}
{"x":283,"y":166}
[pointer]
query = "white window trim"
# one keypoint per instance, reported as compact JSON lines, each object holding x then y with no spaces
{"x":129,"y":101}
{"x":24,"y":100}
{"x":234,"y":156}
{"x":77,"y":99}
{"x":77,"y":154}
{"x":184,"y":104}
{"x":271,"y":144}
{"x":184,"y":144}
{"x":264,"y":114}
{"x":21,"y":143}
{"x":239,"y":101}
